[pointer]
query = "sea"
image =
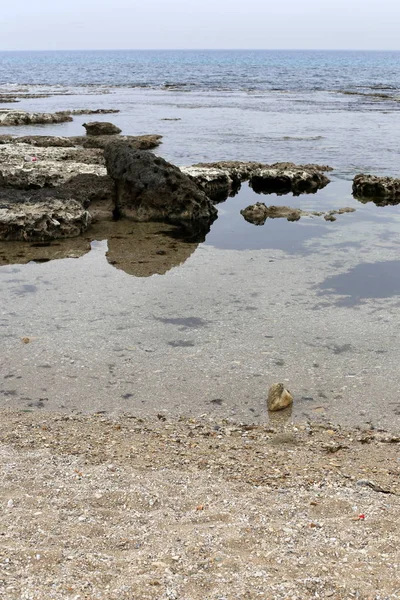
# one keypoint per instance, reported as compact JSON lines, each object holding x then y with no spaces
{"x":134,"y":318}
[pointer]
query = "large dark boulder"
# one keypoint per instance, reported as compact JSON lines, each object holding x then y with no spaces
{"x":148,"y":188}
{"x":101,"y":128}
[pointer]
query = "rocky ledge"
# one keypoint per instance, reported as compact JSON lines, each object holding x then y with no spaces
{"x":381,"y":190}
{"x":222,"y":179}
{"x":258,"y":213}
{"x":50,"y":219}
{"x":10,"y":118}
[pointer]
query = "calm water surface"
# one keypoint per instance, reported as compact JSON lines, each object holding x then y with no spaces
{"x":132,"y":317}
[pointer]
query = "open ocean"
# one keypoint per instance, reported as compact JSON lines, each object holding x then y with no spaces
{"x":312,"y":303}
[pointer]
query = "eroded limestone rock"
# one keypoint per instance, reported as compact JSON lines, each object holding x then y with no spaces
{"x":282,"y":181}
{"x":222,"y":179}
{"x":20,"y":117}
{"x":46,"y":220}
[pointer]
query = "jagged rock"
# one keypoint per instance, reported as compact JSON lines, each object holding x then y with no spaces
{"x":148,"y":188}
{"x":285,"y":180}
{"x":101,"y":128}
{"x":258,"y":213}
{"x":51,"y":219}
{"x":21,"y":117}
{"x":380,"y":190}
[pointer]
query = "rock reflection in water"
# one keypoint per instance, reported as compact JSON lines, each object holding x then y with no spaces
{"x":139,"y":249}
{"x":145,"y":249}
{"x":21,"y":253}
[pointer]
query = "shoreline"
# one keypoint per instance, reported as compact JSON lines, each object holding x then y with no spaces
{"x":122,"y":507}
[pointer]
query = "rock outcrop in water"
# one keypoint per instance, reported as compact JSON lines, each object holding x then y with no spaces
{"x":222,"y":179}
{"x":101,"y":128}
{"x":258,"y":213}
{"x":280,"y":181}
{"x":148,"y":188}
{"x":10,"y":118}
{"x":380,"y":190}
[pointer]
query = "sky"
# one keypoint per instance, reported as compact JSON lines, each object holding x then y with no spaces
{"x":184,"y":24}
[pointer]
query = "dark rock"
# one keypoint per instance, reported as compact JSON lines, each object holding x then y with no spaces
{"x":380,"y":190}
{"x":101,"y":128}
{"x":148,"y":188}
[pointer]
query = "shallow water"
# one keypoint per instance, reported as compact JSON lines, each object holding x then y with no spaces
{"x":133,"y":317}
{"x":146,"y":322}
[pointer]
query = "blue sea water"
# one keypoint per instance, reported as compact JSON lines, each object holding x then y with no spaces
{"x":337,"y":108}
{"x":229,"y":70}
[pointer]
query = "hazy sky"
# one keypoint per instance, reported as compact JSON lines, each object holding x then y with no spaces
{"x":107,"y":24}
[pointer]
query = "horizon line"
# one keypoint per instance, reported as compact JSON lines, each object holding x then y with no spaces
{"x":204,"y":50}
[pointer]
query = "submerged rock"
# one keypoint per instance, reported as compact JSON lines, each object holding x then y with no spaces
{"x":21,"y":117}
{"x":101,"y":128}
{"x":380,"y":190}
{"x":258,"y":213}
{"x":148,"y":188}
{"x":51,"y":219}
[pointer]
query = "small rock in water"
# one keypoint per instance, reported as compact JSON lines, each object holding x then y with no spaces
{"x":279,"y":397}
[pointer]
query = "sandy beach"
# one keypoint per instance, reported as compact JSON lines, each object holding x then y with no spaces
{"x":94,"y":507}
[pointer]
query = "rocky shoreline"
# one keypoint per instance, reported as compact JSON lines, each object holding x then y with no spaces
{"x":53,"y":187}
{"x":302,"y":510}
